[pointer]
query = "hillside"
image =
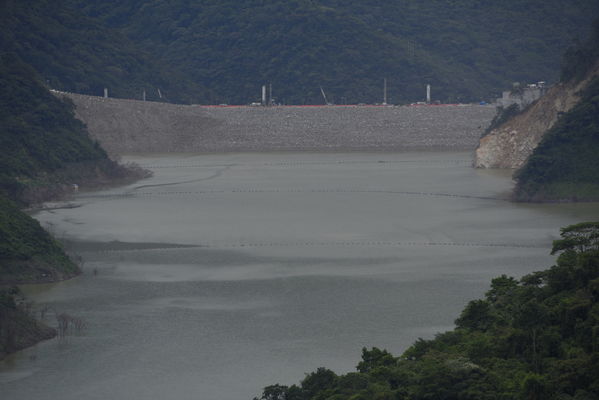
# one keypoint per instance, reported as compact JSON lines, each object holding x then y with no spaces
{"x":38,"y":133}
{"x":465,"y":49}
{"x":555,"y":141}
{"x":565,"y":165}
{"x":222,"y":52}
{"x":28,"y":254}
{"x":511,"y":143}
{"x":533,"y":338}
{"x":43,"y":146}
{"x":73,"y":52}
{"x":44,"y":151}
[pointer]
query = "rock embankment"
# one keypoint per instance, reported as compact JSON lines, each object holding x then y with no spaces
{"x":510,"y":144}
{"x":131,"y":126}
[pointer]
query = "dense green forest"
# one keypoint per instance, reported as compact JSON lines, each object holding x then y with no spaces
{"x":533,"y":338}
{"x":38,"y":132}
{"x":565,"y":165}
{"x":39,"y":136}
{"x":76,"y":53}
{"x":44,"y":149}
{"x":43,"y":145}
{"x":222,"y":51}
{"x":27,"y":252}
{"x":467,"y":50}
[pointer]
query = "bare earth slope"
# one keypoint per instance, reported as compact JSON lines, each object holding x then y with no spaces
{"x":510,"y":144}
{"x":131,"y":126}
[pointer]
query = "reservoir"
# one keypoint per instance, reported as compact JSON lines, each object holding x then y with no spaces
{"x":224,"y":273}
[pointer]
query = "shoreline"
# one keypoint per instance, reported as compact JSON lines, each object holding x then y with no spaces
{"x":20,"y":329}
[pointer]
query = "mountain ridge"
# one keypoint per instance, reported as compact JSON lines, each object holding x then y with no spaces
{"x":214,"y":52}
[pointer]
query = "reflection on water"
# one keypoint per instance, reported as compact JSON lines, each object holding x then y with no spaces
{"x":224,"y":273}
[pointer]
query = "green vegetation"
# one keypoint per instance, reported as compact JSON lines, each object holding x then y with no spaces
{"x":38,"y":136}
{"x":210,"y":51}
{"x":44,"y":148}
{"x":38,"y":132}
{"x":581,"y":57}
{"x":565,"y":165}
{"x":76,"y":53}
{"x":27,"y":252}
{"x":43,"y":145}
{"x":533,"y":338}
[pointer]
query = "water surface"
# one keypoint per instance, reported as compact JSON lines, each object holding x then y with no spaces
{"x":225,"y":273}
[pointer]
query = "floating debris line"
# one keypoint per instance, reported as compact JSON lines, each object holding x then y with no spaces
{"x":288,"y":191}
{"x":350,"y":243}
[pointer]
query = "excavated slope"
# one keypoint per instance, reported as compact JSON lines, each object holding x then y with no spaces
{"x":510,"y":144}
{"x":130,"y":126}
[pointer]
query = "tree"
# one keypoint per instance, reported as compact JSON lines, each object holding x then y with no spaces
{"x":476,"y":316}
{"x":317,"y":381}
{"x":533,"y":387}
{"x":274,"y":392}
{"x":579,"y":237}
{"x":374,"y":358}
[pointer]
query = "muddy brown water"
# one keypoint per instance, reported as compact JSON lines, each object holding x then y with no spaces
{"x":225,"y":273}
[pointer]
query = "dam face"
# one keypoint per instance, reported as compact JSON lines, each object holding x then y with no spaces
{"x":131,"y":126}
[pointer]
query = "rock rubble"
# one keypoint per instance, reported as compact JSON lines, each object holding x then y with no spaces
{"x":130,"y":126}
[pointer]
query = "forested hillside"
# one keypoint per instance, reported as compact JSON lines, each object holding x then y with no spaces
{"x":467,"y":50}
{"x":28,"y":254}
{"x":76,"y":53}
{"x":42,"y":143}
{"x":565,"y":165}
{"x":44,"y":150}
{"x":38,"y":132}
{"x":223,"y":51}
{"x":38,"y":135}
{"x":533,"y":338}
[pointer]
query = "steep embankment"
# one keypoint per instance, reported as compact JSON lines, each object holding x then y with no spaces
{"x":126,"y":126}
{"x":510,"y":144}
{"x":565,"y":165}
{"x":555,"y":142}
{"x":28,"y":254}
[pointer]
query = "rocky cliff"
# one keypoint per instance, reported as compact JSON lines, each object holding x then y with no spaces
{"x":510,"y":144}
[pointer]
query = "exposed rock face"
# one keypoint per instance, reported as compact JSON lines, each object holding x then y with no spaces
{"x":510,"y":144}
{"x":130,"y":126}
